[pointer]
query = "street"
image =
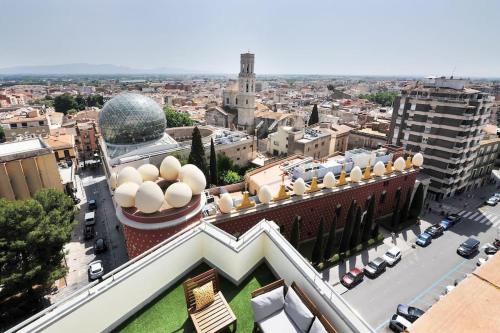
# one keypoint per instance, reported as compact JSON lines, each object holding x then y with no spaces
{"x":91,"y":184}
{"x":423,"y":273}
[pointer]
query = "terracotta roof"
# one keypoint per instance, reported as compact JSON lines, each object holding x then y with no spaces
{"x":60,"y":141}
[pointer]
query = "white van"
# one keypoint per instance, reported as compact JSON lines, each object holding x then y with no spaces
{"x":89,"y":218}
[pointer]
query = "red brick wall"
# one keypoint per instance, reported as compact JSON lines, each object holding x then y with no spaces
{"x":312,"y":210}
{"x":138,"y":241}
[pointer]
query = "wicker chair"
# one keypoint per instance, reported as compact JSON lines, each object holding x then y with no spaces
{"x":215,"y":317}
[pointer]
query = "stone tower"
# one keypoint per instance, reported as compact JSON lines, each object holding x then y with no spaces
{"x":246,"y":94}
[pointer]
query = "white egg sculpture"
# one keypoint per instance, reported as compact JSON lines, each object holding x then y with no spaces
{"x":356,"y":174}
{"x":178,"y":195}
{"x":129,"y":174}
{"x":113,"y":180}
{"x":225,"y":203}
{"x":329,"y":180}
{"x":379,"y":169}
{"x":265,"y":196}
{"x":417,"y":160}
{"x":399,"y":164}
{"x":170,"y":168}
{"x":193,"y":177}
{"x":148,"y":172}
{"x":125,"y":194}
{"x":149,"y":197}
{"x":299,"y":187}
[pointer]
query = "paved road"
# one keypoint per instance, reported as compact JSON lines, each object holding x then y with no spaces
{"x":423,"y":273}
{"x":91,"y":184}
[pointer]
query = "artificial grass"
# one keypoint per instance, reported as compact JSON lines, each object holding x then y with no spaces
{"x":168,"y":312}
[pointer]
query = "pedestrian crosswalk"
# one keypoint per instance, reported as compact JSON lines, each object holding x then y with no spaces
{"x":481,"y":217}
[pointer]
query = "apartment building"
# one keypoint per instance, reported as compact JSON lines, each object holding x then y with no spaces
{"x":484,"y":162}
{"x":25,"y":122}
{"x":444,"y":120}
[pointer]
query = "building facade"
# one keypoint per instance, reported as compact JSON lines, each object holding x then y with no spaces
{"x":484,"y":162}
{"x":444,"y":120}
{"x":25,"y":123}
{"x":242,"y":96}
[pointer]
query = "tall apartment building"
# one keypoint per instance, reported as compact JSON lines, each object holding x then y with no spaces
{"x":444,"y":120}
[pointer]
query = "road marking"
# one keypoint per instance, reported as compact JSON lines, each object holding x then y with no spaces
{"x":473,"y":215}
{"x":478,"y":217}
{"x":468,"y":213}
{"x":483,"y":220}
{"x":462,"y":213}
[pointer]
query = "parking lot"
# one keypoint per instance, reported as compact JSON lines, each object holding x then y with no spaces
{"x":423,"y":274}
{"x":91,"y":184}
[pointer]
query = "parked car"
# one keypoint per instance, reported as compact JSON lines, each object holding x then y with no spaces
{"x":446,"y":224}
{"x":100,"y":245}
{"x":88,"y":232}
{"x":409,"y":312}
{"x":352,"y":278}
{"x":375,"y":267}
{"x":490,"y":249}
{"x":492,"y":201}
{"x":435,"y":230}
{"x":481,"y":261}
{"x":89,"y":218}
{"x":95,"y":270}
{"x":424,"y":239}
{"x":468,"y":247}
{"x":92,"y":204}
{"x":454,"y":218}
{"x":497,"y":195}
{"x":496,"y":243}
{"x":398,"y":323}
{"x":392,"y":256}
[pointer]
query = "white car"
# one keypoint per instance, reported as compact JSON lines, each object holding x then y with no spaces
{"x":492,"y":201}
{"x":96,"y":269}
{"x":392,"y":256}
{"x":481,"y":261}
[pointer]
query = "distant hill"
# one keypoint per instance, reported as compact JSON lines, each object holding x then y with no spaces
{"x":83,"y":68}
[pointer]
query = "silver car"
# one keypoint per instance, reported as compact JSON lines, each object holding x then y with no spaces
{"x":96,"y":269}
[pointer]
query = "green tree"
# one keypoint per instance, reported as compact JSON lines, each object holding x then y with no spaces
{"x":213,"y":164}
{"x":295,"y":234}
{"x":406,"y":207}
{"x":383,"y":98}
{"x":356,"y":233}
{"x":330,"y":243}
{"x":65,"y":102}
{"x":2,"y":135}
{"x":224,"y":164}
{"x":348,"y":227}
{"x":81,"y":102}
{"x":231,"y":177}
{"x":314,"y":118}
{"x":177,"y":119}
{"x":318,"y":244}
{"x":375,"y":229}
{"x":397,"y":210}
{"x":417,"y":203}
{"x":32,"y":235}
{"x":369,"y":220}
{"x":197,"y":154}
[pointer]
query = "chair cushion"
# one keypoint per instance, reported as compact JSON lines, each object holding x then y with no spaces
{"x":266,"y":304}
{"x":203,"y":295}
{"x":297,"y":311}
{"x":278,"y":322}
{"x":317,"y":327}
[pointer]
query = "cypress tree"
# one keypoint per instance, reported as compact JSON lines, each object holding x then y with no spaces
{"x":375,"y":229}
{"x":417,"y":202}
{"x":314,"y":118}
{"x":406,"y":207}
{"x":369,"y":217}
{"x":330,"y":243}
{"x":197,"y":154}
{"x":318,"y":245}
{"x":397,"y":211}
{"x":356,"y":233}
{"x":295,"y":234}
{"x":349,"y":222}
{"x":213,"y":163}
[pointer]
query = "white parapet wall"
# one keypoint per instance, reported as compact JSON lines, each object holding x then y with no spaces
{"x":127,"y":289}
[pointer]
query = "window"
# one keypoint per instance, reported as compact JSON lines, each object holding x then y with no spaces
{"x":236,"y":101}
{"x":246,"y":101}
{"x":316,"y":146}
{"x":41,"y":123}
{"x":24,"y":124}
{"x":13,"y":125}
{"x":244,"y":148}
{"x":237,"y":158}
{"x":247,"y":87}
{"x":382,"y":196}
{"x":227,"y":100}
{"x":238,"y":149}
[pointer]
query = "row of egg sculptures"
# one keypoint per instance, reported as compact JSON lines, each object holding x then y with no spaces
{"x":138,"y":187}
{"x":265,"y":196}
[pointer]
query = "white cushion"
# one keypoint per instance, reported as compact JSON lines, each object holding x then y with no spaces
{"x":278,"y":322}
{"x":266,"y":304}
{"x":317,"y":327}
{"x":297,"y":311}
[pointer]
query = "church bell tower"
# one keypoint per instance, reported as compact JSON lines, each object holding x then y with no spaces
{"x":246,"y":94}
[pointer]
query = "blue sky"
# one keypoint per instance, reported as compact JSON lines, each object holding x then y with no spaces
{"x":393,"y":37}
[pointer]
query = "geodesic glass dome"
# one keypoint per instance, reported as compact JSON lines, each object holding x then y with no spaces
{"x":131,"y":119}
